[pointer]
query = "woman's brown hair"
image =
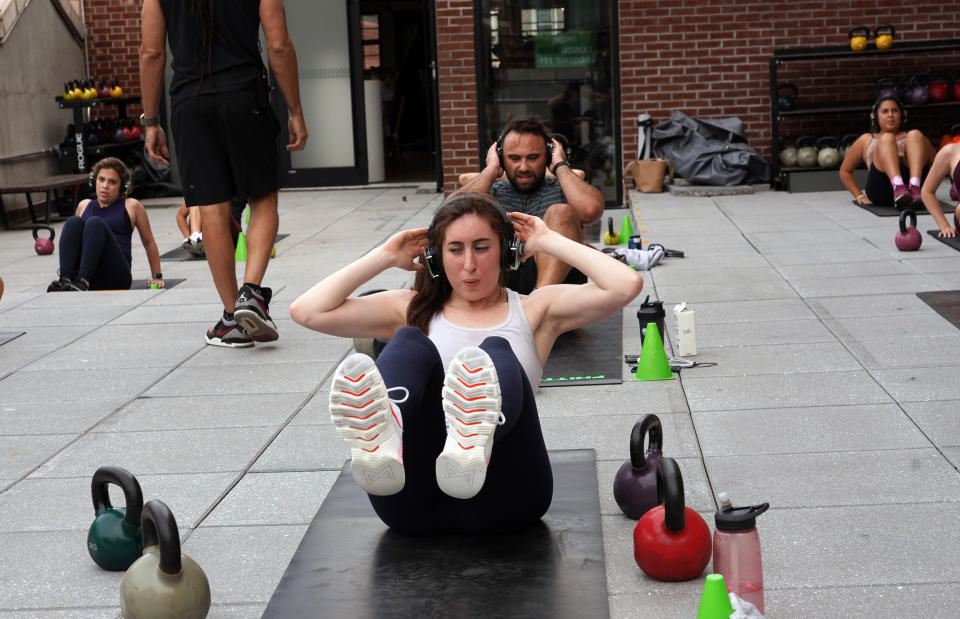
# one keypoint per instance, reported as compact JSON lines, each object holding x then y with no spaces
{"x":432,"y":293}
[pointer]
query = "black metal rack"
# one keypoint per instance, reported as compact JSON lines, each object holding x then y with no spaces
{"x":78,"y":105}
{"x":780,"y":175}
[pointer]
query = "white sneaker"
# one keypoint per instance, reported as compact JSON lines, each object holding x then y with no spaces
{"x":471,"y":405}
{"x":371,"y":424}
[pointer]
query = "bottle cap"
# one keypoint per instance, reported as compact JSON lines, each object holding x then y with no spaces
{"x":729,"y":518}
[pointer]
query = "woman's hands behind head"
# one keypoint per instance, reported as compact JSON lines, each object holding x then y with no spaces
{"x":406,"y":246}
{"x":529,"y":229}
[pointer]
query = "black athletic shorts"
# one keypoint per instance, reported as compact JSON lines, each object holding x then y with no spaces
{"x":878,"y":187}
{"x":226,"y":145}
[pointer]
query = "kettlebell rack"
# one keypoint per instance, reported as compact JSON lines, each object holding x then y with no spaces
{"x":780,"y":176}
{"x":81,"y":154}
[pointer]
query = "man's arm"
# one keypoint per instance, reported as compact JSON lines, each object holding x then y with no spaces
{"x":481,"y":183}
{"x":153,"y":60}
{"x":283,"y":62}
{"x":585,"y":199}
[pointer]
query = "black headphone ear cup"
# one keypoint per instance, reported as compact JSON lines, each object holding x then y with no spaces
{"x":91,"y":180}
{"x":431,"y":261}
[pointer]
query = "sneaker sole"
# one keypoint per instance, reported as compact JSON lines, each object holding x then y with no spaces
{"x":471,"y":405}
{"x":904,"y":201}
{"x":360,"y":411}
{"x":257,"y":328}
{"x":215,"y":341}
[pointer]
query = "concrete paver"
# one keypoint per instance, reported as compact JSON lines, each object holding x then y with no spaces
{"x":833,"y":397}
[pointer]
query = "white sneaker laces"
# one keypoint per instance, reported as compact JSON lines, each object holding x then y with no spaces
{"x":395,"y":403}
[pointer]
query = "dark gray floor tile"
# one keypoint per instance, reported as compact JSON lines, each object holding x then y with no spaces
{"x":23,"y":453}
{"x":57,"y":417}
{"x":243,"y":379}
{"x":783,"y":391}
{"x":773,"y":359}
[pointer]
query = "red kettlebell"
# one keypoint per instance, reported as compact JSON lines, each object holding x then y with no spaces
{"x":955,"y":86}
{"x":908,"y":238}
{"x":671,"y":541}
{"x":43,"y":245}
{"x":635,"y":484}
{"x":939,"y":90}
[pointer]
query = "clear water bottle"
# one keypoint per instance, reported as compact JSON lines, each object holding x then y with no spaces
{"x":736,"y":549}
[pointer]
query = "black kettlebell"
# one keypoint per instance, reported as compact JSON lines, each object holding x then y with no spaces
{"x":786,"y":101}
{"x":163,"y":582}
{"x":908,"y":237}
{"x":43,"y":245}
{"x":114,"y":540}
{"x":635,"y":484}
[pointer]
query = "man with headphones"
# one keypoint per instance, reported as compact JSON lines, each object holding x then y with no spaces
{"x":524,"y":152}
{"x":890,"y":154}
{"x":95,"y":244}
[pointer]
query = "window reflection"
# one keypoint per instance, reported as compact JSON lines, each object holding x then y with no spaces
{"x":552,"y":58}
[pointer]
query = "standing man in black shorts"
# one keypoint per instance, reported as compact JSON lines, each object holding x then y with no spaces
{"x":225,"y":133}
{"x":565,"y":202}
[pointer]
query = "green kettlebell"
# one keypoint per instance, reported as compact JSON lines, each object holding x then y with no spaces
{"x":163,"y":582}
{"x":114,"y":539}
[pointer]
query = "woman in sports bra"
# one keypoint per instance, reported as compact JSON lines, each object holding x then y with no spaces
{"x":945,"y":164}
{"x":95,"y":244}
{"x":891,"y":155}
{"x":443,"y":426}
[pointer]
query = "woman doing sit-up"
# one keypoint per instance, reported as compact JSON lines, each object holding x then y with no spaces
{"x":466,"y":355}
{"x":945,"y":164}
{"x":891,"y":155}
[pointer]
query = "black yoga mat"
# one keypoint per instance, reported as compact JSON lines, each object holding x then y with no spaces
{"x":944,"y":302}
{"x":6,"y":337}
{"x":350,"y":565}
{"x":168,"y":282}
{"x":179,"y":254}
{"x":952,"y":241}
{"x":592,"y":355}
{"x":890,"y":211}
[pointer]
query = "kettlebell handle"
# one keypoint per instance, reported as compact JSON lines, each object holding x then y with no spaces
{"x":160,"y":529}
{"x":132,"y":493}
{"x":647,"y":424}
{"x":876,"y":31}
{"x":791,"y":87}
{"x":903,"y":218}
{"x":670,"y":493}
{"x":864,"y":29}
{"x":43,"y":227}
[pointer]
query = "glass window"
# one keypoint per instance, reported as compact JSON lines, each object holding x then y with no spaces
{"x":370,"y":32}
{"x":552,"y":58}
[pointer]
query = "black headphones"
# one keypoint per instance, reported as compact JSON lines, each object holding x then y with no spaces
{"x":547,"y":138}
{"x":511,"y":248}
{"x":876,"y":108}
{"x":124,"y":180}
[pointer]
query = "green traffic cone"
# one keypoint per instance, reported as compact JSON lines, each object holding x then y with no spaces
{"x":653,"y":363}
{"x":626,"y":230}
{"x":240,"y":255}
{"x":714,"y":603}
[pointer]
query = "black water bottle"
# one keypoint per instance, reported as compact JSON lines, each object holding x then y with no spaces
{"x":651,"y":311}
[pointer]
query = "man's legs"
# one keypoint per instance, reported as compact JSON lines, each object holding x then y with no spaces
{"x":261,"y":235}
{"x":561,"y":218}
{"x":220,"y":253}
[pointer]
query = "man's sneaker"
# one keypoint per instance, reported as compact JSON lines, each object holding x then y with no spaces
{"x":471,"y":405}
{"x":365,"y":417}
{"x":230,"y":336}
{"x":74,"y":286}
{"x":901,"y":196}
{"x":915,"y":197}
{"x":251,"y":312}
{"x":57,"y":285}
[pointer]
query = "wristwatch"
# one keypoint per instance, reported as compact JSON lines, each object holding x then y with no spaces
{"x":559,"y":165}
{"x":148,"y":122}
{"x":158,"y":276}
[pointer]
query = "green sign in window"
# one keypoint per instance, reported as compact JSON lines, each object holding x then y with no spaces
{"x":564,"y":50}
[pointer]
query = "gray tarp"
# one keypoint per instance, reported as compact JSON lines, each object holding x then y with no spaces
{"x":709,"y":152}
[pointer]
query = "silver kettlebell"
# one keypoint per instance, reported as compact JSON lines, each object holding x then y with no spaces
{"x":806,"y":151}
{"x":788,"y":152}
{"x":828,"y":154}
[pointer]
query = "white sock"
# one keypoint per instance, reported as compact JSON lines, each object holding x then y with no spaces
{"x":915,"y":181}
{"x":194,"y":237}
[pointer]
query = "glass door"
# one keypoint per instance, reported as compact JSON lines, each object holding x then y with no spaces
{"x":554,"y":59}
{"x":327,"y":39}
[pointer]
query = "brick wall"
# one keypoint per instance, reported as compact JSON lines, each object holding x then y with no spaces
{"x":710,"y":58}
{"x":114,"y":46}
{"x":457,"y":84}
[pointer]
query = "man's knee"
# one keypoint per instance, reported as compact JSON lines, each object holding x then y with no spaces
{"x":561,"y":216}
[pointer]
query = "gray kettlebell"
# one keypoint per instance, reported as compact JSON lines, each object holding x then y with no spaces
{"x":806,"y":151}
{"x":846,"y":141}
{"x":828,"y":155}
{"x":788,"y":152}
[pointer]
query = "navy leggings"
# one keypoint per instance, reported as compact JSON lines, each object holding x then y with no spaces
{"x":89,"y":250}
{"x":519,"y":483}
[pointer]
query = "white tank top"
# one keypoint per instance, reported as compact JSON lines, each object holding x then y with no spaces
{"x":450,"y":338}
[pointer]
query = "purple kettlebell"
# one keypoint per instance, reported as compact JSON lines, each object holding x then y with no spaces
{"x":635,"y":484}
{"x":43,"y":245}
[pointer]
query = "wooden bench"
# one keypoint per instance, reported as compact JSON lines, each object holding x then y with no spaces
{"x":49,"y":185}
